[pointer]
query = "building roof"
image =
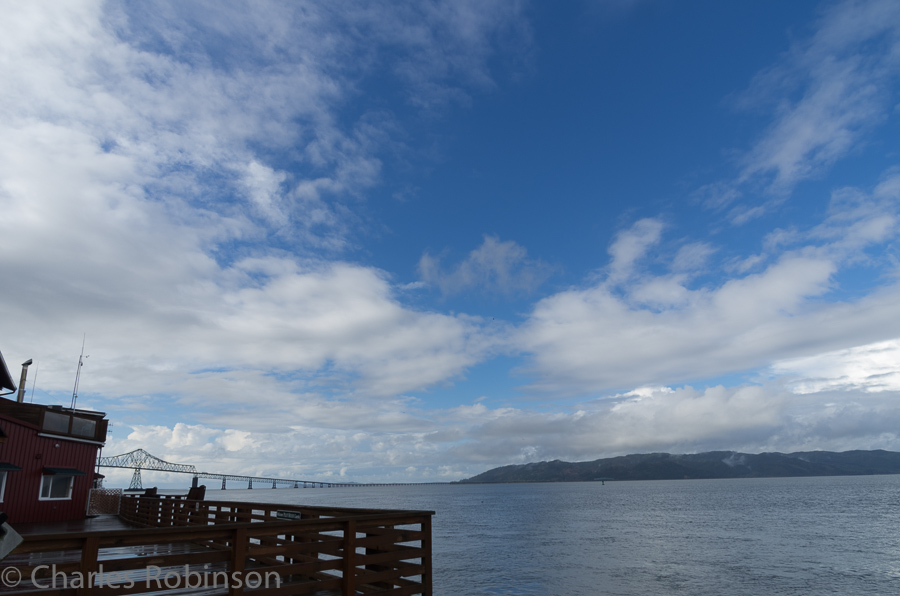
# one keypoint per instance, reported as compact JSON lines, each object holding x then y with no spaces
{"x":6,"y":380}
{"x":57,"y":421}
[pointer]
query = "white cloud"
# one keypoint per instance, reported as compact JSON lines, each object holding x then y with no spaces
{"x":630,"y":246}
{"x":463,"y":441}
{"x":686,"y":415}
{"x":829,"y":90}
{"x":138,"y":200}
{"x":828,"y":97}
{"x":495,"y":266}
{"x":692,"y":257}
{"x":139,"y":192}
{"x":263,"y":187}
{"x":633,"y":328}
{"x":244,"y":323}
{"x":870,"y":368}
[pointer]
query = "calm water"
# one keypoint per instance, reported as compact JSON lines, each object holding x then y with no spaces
{"x":758,"y":537}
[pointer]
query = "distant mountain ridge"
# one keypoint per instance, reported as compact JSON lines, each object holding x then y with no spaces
{"x":712,"y":464}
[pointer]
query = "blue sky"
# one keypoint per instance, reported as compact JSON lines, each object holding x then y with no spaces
{"x":413,"y":241}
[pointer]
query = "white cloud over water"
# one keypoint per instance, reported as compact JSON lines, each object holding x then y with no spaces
{"x":872,"y":368}
{"x":457,"y":443}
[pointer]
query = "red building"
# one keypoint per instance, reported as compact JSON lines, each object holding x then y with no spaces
{"x":47,"y":458}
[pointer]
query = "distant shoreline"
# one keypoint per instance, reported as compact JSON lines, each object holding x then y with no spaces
{"x":708,"y":465}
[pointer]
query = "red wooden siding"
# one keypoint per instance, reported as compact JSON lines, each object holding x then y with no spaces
{"x":25,"y":449}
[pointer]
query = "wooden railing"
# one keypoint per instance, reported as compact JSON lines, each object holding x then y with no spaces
{"x":222,"y":547}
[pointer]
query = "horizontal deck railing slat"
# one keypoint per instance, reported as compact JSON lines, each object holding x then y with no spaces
{"x":352,"y":551}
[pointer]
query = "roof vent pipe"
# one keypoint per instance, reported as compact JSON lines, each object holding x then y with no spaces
{"x":21,"y":396}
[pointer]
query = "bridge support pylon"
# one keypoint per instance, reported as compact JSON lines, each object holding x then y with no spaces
{"x":136,"y":480}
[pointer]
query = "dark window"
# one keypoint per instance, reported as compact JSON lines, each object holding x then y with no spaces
{"x":56,"y":423}
{"x":84,"y":427}
{"x":55,"y":487}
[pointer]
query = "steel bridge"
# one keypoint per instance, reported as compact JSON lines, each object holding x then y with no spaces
{"x":141,"y":460}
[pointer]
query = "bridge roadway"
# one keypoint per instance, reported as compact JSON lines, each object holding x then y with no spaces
{"x":139,"y":459}
{"x":287,"y":483}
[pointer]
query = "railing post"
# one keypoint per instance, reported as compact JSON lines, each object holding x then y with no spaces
{"x":348,"y":584}
{"x":426,"y":556}
{"x":89,"y":553}
{"x":238,"y":560}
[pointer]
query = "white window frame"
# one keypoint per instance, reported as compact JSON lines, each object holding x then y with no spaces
{"x":52,"y":478}
{"x":3,"y":474}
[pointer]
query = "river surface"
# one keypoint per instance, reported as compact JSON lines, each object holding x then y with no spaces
{"x":736,"y":537}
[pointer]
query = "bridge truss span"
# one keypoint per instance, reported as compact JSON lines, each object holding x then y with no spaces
{"x":140,"y":459}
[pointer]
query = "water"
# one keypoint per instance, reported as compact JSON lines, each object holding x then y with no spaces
{"x":767,"y":536}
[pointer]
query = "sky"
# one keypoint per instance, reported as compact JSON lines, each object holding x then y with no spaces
{"x":412,"y":241}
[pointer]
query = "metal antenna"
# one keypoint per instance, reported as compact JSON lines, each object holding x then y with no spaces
{"x":34,"y":381}
{"x":78,"y":373}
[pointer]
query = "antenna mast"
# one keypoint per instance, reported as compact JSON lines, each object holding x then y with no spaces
{"x":34,"y":380}
{"x":78,"y":372}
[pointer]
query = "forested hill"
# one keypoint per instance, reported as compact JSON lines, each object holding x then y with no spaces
{"x":713,"y":464}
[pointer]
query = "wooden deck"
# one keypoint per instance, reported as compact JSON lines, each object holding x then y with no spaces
{"x":174,"y":546}
{"x":47,"y":562}
{"x":98,"y":523}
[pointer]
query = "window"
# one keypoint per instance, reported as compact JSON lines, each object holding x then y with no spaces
{"x":4,"y":468}
{"x":57,"y":423}
{"x":83,"y":427}
{"x":56,"y":487}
